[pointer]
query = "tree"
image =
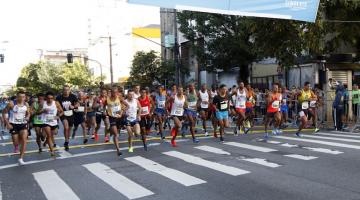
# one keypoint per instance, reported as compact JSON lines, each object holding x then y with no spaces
{"x":148,"y":68}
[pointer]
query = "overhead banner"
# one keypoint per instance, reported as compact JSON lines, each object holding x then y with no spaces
{"x":302,"y":10}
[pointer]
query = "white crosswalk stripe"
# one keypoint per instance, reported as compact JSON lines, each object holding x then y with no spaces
{"x":301,"y":157}
{"x":175,"y":175}
{"x":251,"y":147}
{"x":331,"y":138}
{"x":53,"y":186}
{"x":212,"y":150}
{"x":339,"y":135}
{"x":335,"y":144}
{"x":205,"y":163}
{"x":117,"y":181}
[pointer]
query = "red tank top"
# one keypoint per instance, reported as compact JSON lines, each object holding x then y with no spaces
{"x":274,"y":105}
{"x":145,"y":105}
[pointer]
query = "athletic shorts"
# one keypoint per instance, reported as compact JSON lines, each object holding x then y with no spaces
{"x":91,"y":114}
{"x":159,"y":112}
{"x":118,"y":122}
{"x":100,"y":117}
{"x":240,"y":110}
{"x":17,"y":128}
{"x":222,"y":115}
{"x":249,"y":110}
{"x":284,"y":109}
{"x":204,"y":109}
{"x":69,"y":119}
{"x":191,"y":113}
{"x":145,"y":122}
{"x":132,"y":123}
{"x":181,"y":118}
{"x":79,"y":119}
{"x":51,"y":127}
{"x":38,"y":125}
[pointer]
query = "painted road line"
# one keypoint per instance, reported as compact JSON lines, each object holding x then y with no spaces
{"x":175,"y":175}
{"x":251,"y":147}
{"x":212,"y":150}
{"x":339,"y":135}
{"x":261,"y":161}
{"x":64,"y":154}
{"x":205,"y":163}
{"x":53,"y":186}
{"x":301,"y":157}
{"x":1,"y":192}
{"x":289,"y":145}
{"x":273,"y":142}
{"x":335,"y":144}
{"x":330,"y":138}
{"x":117,"y":181}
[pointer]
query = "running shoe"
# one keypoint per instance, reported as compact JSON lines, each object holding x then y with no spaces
{"x":21,"y":161}
{"x":266,"y":136}
{"x":317,"y":130}
{"x":173,"y":143}
{"x":85,"y":141}
{"x":246,"y":130}
{"x":66,"y":146}
{"x":235,"y":132}
{"x":96,"y":137}
{"x":196,"y":141}
{"x":40,"y":150}
{"x":221,"y":139}
{"x":107,"y":139}
{"x":206,"y":134}
{"x":16,"y":149}
{"x":274,"y":132}
{"x":52,"y":154}
{"x":131,"y":149}
{"x":93,"y":136}
{"x":119,"y":153}
{"x":279,"y":131}
{"x":298,"y":134}
{"x":54,"y":145}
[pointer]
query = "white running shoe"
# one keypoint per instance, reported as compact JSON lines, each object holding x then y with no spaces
{"x":206,"y":134}
{"x":21,"y":161}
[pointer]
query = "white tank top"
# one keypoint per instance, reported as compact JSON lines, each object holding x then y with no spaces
{"x":241,"y":99}
{"x":131,"y":112}
{"x":213,"y":94}
{"x":136,"y":96}
{"x":50,"y":114}
{"x":18,"y":114}
{"x":204,"y":96}
{"x":177,"y":108}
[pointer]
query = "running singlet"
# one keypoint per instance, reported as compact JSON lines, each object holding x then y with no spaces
{"x":131,"y":112}
{"x":192,"y":101}
{"x":304,"y":99}
{"x":274,"y":105}
{"x":240,"y":99}
{"x":66,"y":102}
{"x":145,"y":106}
{"x":204,"y":96}
{"x":113,"y":107}
{"x":213,"y":94}
{"x":50,"y":114}
{"x":177,"y":108}
{"x":160,"y":101}
{"x":38,"y":119}
{"x":101,"y":105}
{"x":18,"y":114}
{"x":222,"y":103}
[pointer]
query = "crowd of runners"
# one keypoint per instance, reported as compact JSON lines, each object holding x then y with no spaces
{"x":139,"y":109}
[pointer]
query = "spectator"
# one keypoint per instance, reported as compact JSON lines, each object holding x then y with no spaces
{"x":355,"y":100}
{"x":339,"y":106}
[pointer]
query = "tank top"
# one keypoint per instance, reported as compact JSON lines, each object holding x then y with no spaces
{"x":304,"y":99}
{"x":192,"y":101}
{"x":38,"y":119}
{"x":113,"y":106}
{"x":17,"y":114}
{"x":240,"y":101}
{"x":274,"y":106}
{"x":101,"y":105}
{"x":81,"y":108}
{"x":90,"y":103}
{"x":50,"y":114}
{"x":213,"y":94}
{"x":177,"y":108}
{"x":204,"y":96}
{"x":160,"y":101}
{"x":132,"y":109}
{"x":145,"y":106}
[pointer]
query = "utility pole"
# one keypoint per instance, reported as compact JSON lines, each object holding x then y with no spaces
{"x":111,"y":62}
{"x":176,"y":51}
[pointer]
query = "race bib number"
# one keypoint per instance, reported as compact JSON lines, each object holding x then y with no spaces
{"x":224,"y":106}
{"x":68,"y":113}
{"x":161,"y":104}
{"x":49,"y":118}
{"x":305,"y":105}
{"x":115,"y":110}
{"x":192,"y":104}
{"x":81,"y":109}
{"x":356,"y":96}
{"x":312,"y":104}
{"x":284,"y":101}
{"x":276,"y":104}
{"x":145,"y":110}
{"x":241,"y":104}
{"x":179,"y":111}
{"x":204,"y":104}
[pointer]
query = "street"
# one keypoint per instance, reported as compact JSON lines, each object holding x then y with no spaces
{"x":321,"y":166}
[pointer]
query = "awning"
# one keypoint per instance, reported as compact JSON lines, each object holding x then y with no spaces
{"x":302,"y":10}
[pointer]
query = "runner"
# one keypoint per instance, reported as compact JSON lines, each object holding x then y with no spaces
{"x":79,"y":116}
{"x":212,"y":108}
{"x":100,"y":114}
{"x":204,"y":98}
{"x":284,"y":108}
{"x":114,"y":104}
{"x":160,"y":109}
{"x":240,"y":105}
{"x":221,"y":101}
{"x":67,"y":101}
{"x":136,"y":91}
{"x":51,"y":110}
{"x":3,"y":104}
{"x":145,"y":112}
{"x":307,"y":102}
{"x":178,"y":103}
{"x":132,"y":117}
{"x":38,"y":119}
{"x":190,"y":111}
{"x":91,"y":116}
{"x":273,"y":100}
{"x":19,"y":115}
{"x":250,"y":113}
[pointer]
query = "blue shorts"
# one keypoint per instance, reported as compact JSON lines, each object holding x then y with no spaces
{"x":159,"y":111}
{"x":191,"y":113}
{"x":284,"y":109}
{"x":131,"y":123}
{"x":221,"y":115}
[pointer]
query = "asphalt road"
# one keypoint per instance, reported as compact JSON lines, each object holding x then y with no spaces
{"x":245,"y":167}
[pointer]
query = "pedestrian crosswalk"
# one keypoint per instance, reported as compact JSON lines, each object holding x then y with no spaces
{"x":231,"y":164}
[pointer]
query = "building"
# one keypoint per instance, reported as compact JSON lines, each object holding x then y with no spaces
{"x":60,"y":56}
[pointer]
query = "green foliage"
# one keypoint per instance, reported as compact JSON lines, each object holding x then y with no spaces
{"x":45,"y":76}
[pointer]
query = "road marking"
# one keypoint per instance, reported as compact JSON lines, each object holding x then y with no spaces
{"x":205,"y":163}
{"x":340,"y":135}
{"x":335,"y":144}
{"x":289,"y":145}
{"x":212,"y":150}
{"x":261,"y":161}
{"x":323,"y":150}
{"x":175,"y":175}
{"x":251,"y":147}
{"x":331,"y":138}
{"x":53,"y":186}
{"x":64,"y":154}
{"x":117,"y":181}
{"x":273,"y":142}
{"x":301,"y":157}
{"x":0,"y":192}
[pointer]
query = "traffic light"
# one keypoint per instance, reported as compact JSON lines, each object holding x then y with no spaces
{"x":69,"y":58}
{"x":2,"y":57}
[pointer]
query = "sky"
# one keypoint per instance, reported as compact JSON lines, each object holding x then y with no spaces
{"x":28,"y":25}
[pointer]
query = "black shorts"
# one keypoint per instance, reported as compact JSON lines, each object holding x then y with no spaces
{"x":38,"y":125}
{"x":51,"y":127}
{"x":100,"y":117}
{"x":145,"y":122}
{"x":17,"y":128}
{"x":181,"y":118}
{"x":79,"y":119}
{"x":132,"y":123}
{"x":118,"y":122}
{"x":69,"y":119}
